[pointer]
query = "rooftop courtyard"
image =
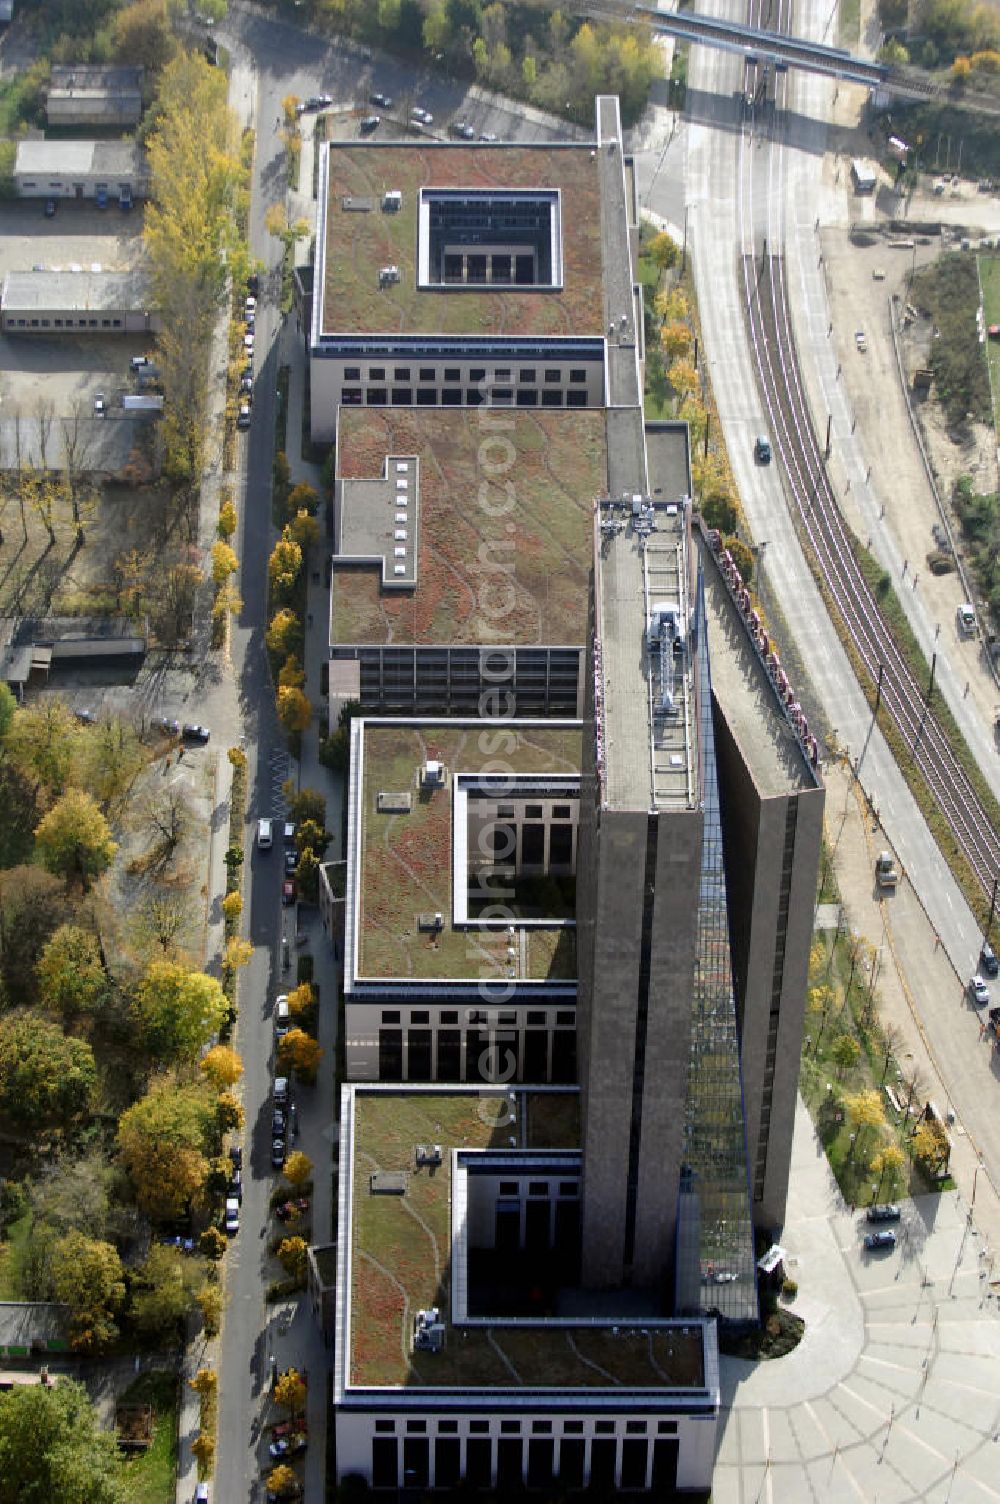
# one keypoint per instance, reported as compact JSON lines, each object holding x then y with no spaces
{"x":401,"y":1259}
{"x":406,"y":852}
{"x":363,"y":236}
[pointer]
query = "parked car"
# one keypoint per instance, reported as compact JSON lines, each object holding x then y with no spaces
{"x":236,"y":1156}
{"x":288,"y":1446}
{"x":370,"y":124}
{"x":421,"y":116}
{"x":762,"y":449}
{"x":176,"y":1240}
{"x":384,"y":101}
{"x":282,"y":1020}
{"x":488,"y":136}
{"x":201,"y":1493}
{"x":253,"y":285}
{"x":265,"y":833}
{"x":277,"y":1152}
{"x":281,"y":1091}
{"x":250,"y":303}
{"x":877,"y":1240}
{"x":140,"y":362}
{"x":988,"y":962}
{"x":886,"y":1212}
{"x":100,"y":405}
{"x":279,"y":1123}
{"x":462,"y":130}
{"x":861,"y":340}
{"x":232,"y":1215}
{"x":236,"y":1184}
{"x":86,"y":717}
{"x":292,"y":1208}
{"x":248,"y":342}
{"x":194,"y":733}
{"x":291,"y":863}
{"x":246,"y":384}
{"x":978,"y":991}
{"x":243,"y":416}
{"x":290,"y":1427}
{"x":288,"y":892}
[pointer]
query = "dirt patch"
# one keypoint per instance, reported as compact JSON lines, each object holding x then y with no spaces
{"x":105,"y":550}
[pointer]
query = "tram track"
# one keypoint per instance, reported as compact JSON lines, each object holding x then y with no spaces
{"x":820,"y":522}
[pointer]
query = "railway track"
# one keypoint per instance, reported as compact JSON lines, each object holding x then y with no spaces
{"x":820,"y":521}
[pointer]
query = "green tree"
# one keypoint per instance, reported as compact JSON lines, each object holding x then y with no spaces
{"x":164,"y":1140}
{"x":42,"y":740}
{"x":32,"y":905}
{"x":109,"y":759}
{"x":165,"y":1291}
{"x":74,"y":840}
{"x":303,"y":530}
{"x":437,"y":27}
{"x":143,"y":35}
{"x":8,"y":705}
{"x":53,"y":1448}
{"x":46,"y":1078}
{"x":845,"y":1052}
{"x":87,"y":1277}
{"x":71,"y":973}
{"x":304,"y":804}
{"x":888,"y":1165}
{"x":307,"y":876}
{"x":178,"y":1010}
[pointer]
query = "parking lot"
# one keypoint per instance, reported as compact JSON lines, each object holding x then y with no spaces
{"x":63,"y":373}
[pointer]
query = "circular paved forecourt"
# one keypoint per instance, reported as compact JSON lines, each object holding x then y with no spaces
{"x":894,"y":1392}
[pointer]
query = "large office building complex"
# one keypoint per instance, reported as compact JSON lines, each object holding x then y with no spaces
{"x":584,"y":815}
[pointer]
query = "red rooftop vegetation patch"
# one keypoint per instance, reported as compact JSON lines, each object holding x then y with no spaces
{"x":505,"y":526}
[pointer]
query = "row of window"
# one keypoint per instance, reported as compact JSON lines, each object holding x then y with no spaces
{"x":604,"y":1464}
{"x":88,"y":323}
{"x":565,"y":1017}
{"x":500,"y":396}
{"x":514,"y":1427}
{"x":526,"y":376}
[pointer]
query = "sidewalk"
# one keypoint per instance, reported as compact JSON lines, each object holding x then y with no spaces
{"x":921,"y":994}
{"x":303,"y":1342}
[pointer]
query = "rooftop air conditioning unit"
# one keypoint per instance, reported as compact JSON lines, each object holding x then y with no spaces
{"x":392,"y":201}
{"x":388,"y":275}
{"x":428,"y":1331}
{"x":432,"y":774}
{"x":428,"y":1154}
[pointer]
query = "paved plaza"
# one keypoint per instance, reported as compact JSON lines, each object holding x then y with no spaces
{"x":894,"y":1392}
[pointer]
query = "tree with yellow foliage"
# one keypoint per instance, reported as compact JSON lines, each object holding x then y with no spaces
{"x":298,"y":1050}
{"x":222,"y":1065}
{"x":294,"y":709}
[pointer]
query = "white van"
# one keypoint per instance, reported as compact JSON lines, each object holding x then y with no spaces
{"x":282,"y":1016}
{"x":265,"y":834}
{"x":966,"y":618}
